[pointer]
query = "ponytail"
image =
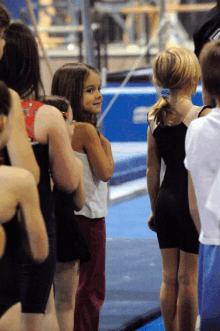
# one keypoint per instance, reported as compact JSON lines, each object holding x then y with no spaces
{"x":162,"y":112}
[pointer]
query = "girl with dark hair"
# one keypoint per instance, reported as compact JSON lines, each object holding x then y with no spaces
{"x":72,"y":249}
{"x":20,"y":151}
{"x":176,"y":72}
{"x":80,"y":84}
{"x":47,"y":133}
{"x":22,"y":76}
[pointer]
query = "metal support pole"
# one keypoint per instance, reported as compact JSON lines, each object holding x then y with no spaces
{"x":87,"y":33}
{"x":162,"y":32}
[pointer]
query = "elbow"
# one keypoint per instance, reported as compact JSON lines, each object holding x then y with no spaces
{"x":68,"y":184}
{"x":107,"y":175}
{"x":78,"y":203}
{"x":40,"y":249}
{"x":78,"y":206}
{"x":40,"y":257}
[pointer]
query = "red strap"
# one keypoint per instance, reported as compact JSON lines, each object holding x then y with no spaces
{"x":29,"y":108}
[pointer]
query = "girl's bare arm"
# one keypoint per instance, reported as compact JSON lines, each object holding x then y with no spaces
{"x":99,"y":152}
{"x":153,"y":169}
{"x":18,"y":146}
{"x":28,"y":200}
{"x":50,"y":128}
{"x":193,"y":203}
{"x":108,"y":150}
{"x":79,"y":196}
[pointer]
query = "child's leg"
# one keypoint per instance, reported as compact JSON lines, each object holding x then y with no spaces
{"x":187,"y":302}
{"x":169,"y":287}
{"x":91,"y":290}
{"x":66,"y":282}
{"x":50,"y":322}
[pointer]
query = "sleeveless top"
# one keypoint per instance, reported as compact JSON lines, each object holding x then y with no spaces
{"x":96,"y":191}
{"x":171,"y":139}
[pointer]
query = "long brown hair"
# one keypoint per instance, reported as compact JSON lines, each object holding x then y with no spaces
{"x":68,"y":81}
{"x":176,"y":68}
{"x":20,"y":64}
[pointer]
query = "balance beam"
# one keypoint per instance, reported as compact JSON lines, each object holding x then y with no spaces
{"x":168,"y":8}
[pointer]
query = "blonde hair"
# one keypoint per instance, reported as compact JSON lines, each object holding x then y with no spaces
{"x":176,"y":68}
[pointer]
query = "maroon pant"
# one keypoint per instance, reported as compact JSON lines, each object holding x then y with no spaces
{"x":91,"y":290}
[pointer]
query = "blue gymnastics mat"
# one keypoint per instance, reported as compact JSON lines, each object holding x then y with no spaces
{"x":130,"y":161}
{"x":133,"y":265}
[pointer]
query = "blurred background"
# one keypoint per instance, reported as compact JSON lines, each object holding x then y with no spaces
{"x":119,"y":29}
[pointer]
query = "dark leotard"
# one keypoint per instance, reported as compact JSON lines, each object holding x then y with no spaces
{"x":23,"y":280}
{"x":71,"y":245}
{"x":174,"y":224}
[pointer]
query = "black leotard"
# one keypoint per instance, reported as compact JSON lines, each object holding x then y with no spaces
{"x":174,"y":224}
{"x":71,"y":245}
{"x":22,"y":280}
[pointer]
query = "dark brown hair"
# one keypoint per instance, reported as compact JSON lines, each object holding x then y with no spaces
{"x":176,"y":68}
{"x":20,"y":66}
{"x":5,"y":99}
{"x":210,"y":65}
{"x":60,"y":103}
{"x":4,"y":17}
{"x":68,"y":81}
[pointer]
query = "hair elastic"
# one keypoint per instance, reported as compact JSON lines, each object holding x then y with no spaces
{"x":65,"y":115}
{"x":165,"y":92}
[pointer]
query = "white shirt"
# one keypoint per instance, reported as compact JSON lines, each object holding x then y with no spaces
{"x":96,"y":191}
{"x":203,"y":160}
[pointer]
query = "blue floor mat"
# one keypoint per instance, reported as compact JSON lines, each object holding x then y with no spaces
{"x":133,"y":264}
{"x":156,"y":325}
{"x":129,"y":219}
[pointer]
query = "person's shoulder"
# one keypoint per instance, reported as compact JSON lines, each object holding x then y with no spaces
{"x":86,"y":129}
{"x":49,"y":110}
{"x":50,"y":116}
{"x":13,"y":93}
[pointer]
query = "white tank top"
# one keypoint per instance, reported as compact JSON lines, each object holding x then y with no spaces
{"x":96,"y":191}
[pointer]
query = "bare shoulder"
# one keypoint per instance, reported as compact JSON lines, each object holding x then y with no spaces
{"x":14,"y":94}
{"x":48,"y":110}
{"x":85,"y":128}
{"x":84,"y":134}
{"x":48,"y":122}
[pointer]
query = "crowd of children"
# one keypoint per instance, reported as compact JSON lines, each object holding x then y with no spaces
{"x":52,"y":221}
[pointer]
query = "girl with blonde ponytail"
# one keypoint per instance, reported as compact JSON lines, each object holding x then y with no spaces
{"x":176,"y":73}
